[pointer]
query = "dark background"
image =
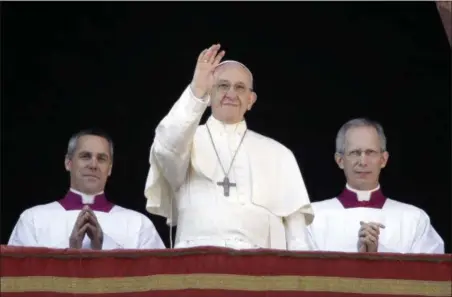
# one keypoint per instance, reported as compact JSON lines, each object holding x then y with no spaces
{"x":121,"y":66}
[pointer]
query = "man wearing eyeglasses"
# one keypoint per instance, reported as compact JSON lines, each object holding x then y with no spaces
{"x":362,"y":218}
{"x":221,"y":183}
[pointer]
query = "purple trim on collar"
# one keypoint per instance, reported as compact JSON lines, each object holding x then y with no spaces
{"x":349,"y":199}
{"x":73,"y":201}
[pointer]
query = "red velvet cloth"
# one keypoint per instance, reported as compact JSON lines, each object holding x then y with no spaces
{"x":217,"y":272}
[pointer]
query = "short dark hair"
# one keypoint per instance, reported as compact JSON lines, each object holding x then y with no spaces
{"x":72,"y":145}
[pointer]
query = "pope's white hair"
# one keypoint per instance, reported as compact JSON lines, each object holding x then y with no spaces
{"x":237,"y":62}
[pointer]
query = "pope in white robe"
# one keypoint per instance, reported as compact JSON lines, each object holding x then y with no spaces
{"x":362,"y":218}
{"x":85,"y":218}
{"x":221,"y":183}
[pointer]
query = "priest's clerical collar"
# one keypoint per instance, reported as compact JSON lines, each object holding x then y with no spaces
{"x":75,"y":200}
{"x":351,"y":198}
{"x":216,"y":125}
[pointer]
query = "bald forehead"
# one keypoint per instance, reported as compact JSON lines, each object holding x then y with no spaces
{"x":362,"y":137}
{"x":92,"y":142}
{"x":234,"y":69}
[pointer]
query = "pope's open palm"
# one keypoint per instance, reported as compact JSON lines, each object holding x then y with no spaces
{"x":203,"y":79}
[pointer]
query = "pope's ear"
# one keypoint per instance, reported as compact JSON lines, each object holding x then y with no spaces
{"x":253,"y":99}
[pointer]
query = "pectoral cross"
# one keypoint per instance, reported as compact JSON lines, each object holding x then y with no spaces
{"x":226,"y":185}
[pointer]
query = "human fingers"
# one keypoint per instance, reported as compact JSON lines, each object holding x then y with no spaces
{"x":211,"y":53}
{"x":218,"y":58}
{"x":370,"y":231}
{"x":81,"y":218}
{"x":371,"y":239}
{"x":81,"y":232}
{"x":376,"y":226}
{"x":201,"y":55}
{"x":92,"y":218}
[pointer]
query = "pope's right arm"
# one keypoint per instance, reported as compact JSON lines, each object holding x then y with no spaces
{"x":174,"y":135}
{"x":170,"y":154}
{"x":171,"y":149}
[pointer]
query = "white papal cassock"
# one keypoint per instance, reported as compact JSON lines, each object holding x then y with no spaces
{"x":50,"y":225}
{"x":337,"y":223}
{"x":268,"y":208}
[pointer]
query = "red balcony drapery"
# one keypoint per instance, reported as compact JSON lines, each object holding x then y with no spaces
{"x":217,"y":272}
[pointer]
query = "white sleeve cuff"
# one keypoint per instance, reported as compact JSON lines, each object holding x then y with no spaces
{"x":203,"y":101}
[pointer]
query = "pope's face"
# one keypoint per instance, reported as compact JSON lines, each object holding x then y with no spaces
{"x":91,"y":164}
{"x":362,"y":159}
{"x":232,"y":93}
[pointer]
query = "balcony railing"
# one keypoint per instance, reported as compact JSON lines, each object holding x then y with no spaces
{"x":216,"y":272}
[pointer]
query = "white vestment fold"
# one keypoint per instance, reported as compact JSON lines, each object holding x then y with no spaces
{"x":268,"y":207}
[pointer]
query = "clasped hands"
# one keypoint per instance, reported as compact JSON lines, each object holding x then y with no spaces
{"x":86,"y":223}
{"x":368,"y":237}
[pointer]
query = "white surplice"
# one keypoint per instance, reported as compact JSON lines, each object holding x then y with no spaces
{"x":268,"y":208}
{"x":407,"y":227}
{"x":50,"y":225}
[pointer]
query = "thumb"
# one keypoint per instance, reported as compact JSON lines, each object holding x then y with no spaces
{"x":362,"y":248}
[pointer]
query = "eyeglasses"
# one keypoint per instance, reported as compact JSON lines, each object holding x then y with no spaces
{"x":356,"y":154}
{"x":239,"y":88}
